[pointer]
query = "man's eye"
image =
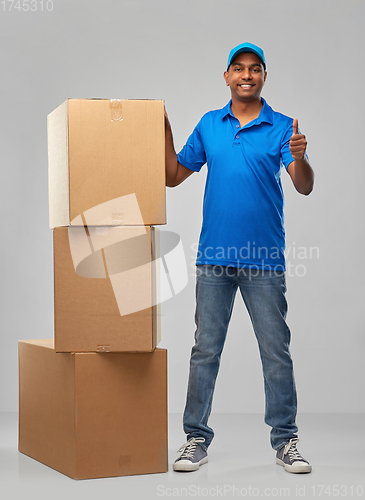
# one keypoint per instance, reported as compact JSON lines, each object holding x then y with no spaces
{"x":237,"y":69}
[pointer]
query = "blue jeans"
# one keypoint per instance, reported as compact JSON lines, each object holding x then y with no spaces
{"x":263,"y":292}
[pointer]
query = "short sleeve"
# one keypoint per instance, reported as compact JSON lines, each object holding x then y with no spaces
{"x":285,"y":153}
{"x":192,"y":155}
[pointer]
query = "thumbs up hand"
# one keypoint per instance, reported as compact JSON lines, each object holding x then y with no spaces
{"x":298,"y":143}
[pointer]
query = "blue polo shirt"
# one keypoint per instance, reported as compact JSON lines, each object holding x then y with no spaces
{"x":243,"y":209}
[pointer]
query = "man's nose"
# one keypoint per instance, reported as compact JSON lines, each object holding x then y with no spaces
{"x":246,"y":74}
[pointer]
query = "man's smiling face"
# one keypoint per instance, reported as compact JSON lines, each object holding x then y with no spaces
{"x":246,"y":77}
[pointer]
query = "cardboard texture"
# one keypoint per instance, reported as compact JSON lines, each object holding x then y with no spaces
{"x":106,"y":289}
{"x":106,"y":162}
{"x":93,"y":415}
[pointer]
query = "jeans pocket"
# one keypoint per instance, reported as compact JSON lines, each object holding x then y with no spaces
{"x":203,"y":270}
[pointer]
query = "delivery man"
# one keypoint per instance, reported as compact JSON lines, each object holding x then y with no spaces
{"x":241,"y":245}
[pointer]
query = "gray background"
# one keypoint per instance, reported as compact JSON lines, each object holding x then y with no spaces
{"x":177,"y":51}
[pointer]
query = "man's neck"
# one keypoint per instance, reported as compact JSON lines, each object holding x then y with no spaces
{"x":245,"y":112}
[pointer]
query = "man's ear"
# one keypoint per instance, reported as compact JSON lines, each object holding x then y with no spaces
{"x":265,"y":75}
{"x":225,"y":76}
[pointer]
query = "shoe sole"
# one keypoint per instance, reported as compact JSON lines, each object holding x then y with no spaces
{"x":295,"y":469}
{"x":187,"y":466}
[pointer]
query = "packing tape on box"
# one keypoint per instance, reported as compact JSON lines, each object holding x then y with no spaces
{"x":139,"y":278}
{"x":116,"y":110}
{"x":103,"y":348}
{"x":118,"y":211}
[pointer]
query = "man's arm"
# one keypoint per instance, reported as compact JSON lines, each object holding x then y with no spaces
{"x":300,"y":171}
{"x":175,"y":172}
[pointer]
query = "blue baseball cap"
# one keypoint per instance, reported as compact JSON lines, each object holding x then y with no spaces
{"x":246,"y":47}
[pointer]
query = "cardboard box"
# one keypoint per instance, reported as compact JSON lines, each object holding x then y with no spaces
{"x":106,"y":162}
{"x":93,"y":415}
{"x":106,"y":288}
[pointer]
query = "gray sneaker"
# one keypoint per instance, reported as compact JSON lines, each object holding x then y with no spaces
{"x":289,"y":457}
{"x":193,"y":455}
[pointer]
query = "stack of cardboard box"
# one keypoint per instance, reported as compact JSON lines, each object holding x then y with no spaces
{"x":93,"y":401}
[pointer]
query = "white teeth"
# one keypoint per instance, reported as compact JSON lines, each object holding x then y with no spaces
{"x":246,"y":86}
